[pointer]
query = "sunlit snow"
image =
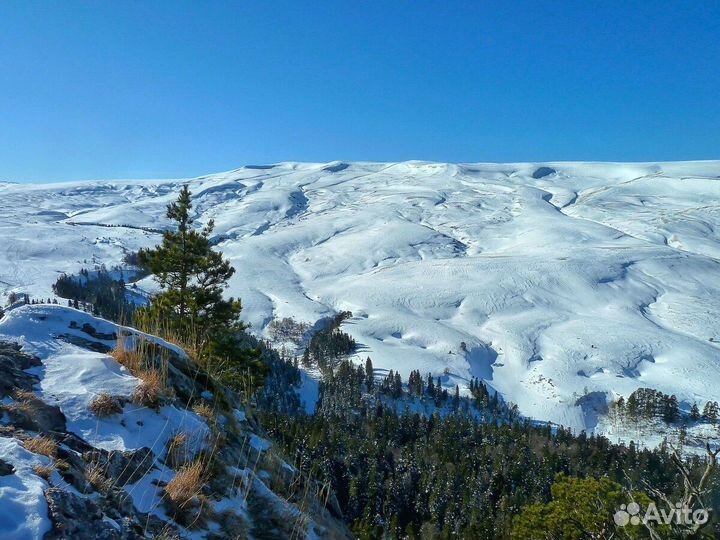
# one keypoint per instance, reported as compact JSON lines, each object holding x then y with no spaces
{"x":549,"y":281}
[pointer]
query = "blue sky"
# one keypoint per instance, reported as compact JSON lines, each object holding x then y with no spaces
{"x":168,"y":89}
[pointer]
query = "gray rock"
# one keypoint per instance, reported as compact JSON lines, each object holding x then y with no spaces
{"x":13,"y":364}
{"x":90,"y":330}
{"x":78,"y":518}
{"x":122,"y":467}
{"x":541,"y":172}
{"x":88,"y":344}
{"x":6,"y":468}
{"x":36,"y":415}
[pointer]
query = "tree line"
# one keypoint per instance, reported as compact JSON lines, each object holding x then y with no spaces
{"x":454,"y":473}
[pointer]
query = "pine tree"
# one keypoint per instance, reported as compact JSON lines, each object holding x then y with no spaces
{"x":369,"y":374}
{"x":306,"y":360}
{"x":192,"y":277}
{"x":711,"y":411}
{"x":671,"y":411}
{"x":694,"y":413}
{"x":397,"y":385}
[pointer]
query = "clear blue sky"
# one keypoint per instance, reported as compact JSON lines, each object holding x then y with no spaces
{"x":181,"y":88}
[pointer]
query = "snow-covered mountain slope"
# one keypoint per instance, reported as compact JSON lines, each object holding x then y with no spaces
{"x":109,"y":474}
{"x":546,"y":280}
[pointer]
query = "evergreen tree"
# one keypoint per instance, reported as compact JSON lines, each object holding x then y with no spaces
{"x":306,"y":360}
{"x":671,"y":411}
{"x":397,"y":385}
{"x":192,"y":277}
{"x":711,"y":412}
{"x":694,"y":413}
{"x":369,"y":374}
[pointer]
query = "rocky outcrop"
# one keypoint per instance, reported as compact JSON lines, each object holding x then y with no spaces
{"x":13,"y":364}
{"x":81,"y":519}
{"x":247,"y":489}
{"x":542,"y":172}
{"x":6,"y":468}
{"x":122,"y":468}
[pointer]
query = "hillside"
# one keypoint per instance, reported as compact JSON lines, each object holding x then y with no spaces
{"x":548,"y":281}
{"x":85,"y":454}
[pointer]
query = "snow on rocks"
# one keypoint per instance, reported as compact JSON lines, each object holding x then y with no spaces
{"x":23,"y":510}
{"x":108,"y":476}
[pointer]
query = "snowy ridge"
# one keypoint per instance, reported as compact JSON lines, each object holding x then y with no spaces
{"x":558,"y":278}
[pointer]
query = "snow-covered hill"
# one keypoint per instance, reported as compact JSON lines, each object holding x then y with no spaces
{"x":72,"y":469}
{"x":549,"y":281}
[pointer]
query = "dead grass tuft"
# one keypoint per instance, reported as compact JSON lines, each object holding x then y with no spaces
{"x":104,"y":405}
{"x":152,"y":390}
{"x":43,"y":471}
{"x":178,"y":453}
{"x":132,"y":359}
{"x":204,"y":411}
{"x":146,"y":361}
{"x":185,"y":488}
{"x":41,"y":445}
{"x":25,"y":402}
{"x":24,"y":396}
{"x":94,"y":474}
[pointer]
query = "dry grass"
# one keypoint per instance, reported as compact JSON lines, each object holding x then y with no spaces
{"x":19,"y":407}
{"x":24,"y":396}
{"x":167,"y":534}
{"x":233,"y":525}
{"x":146,"y":361}
{"x":204,"y":411}
{"x":41,"y":445}
{"x":159,"y":326}
{"x":25,"y":402}
{"x":178,"y":453}
{"x":43,"y":471}
{"x":104,"y":405}
{"x":152,"y":390}
{"x":133,"y":359}
{"x":97,"y":479}
{"x":187,"y":485}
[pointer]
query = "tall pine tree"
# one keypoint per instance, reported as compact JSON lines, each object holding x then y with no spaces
{"x":192,"y":277}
